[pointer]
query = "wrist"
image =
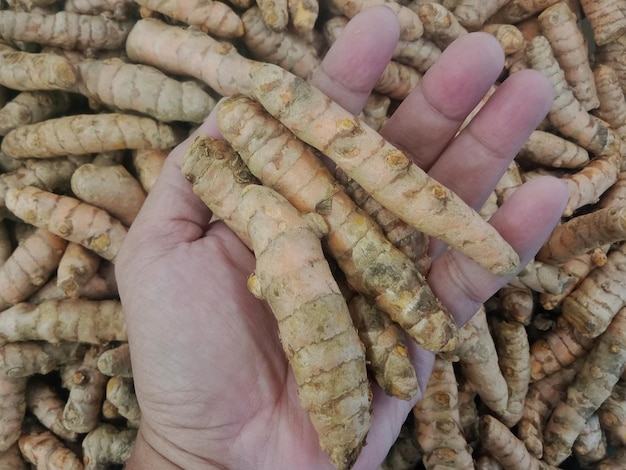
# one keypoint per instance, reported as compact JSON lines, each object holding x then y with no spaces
{"x":148,"y":455}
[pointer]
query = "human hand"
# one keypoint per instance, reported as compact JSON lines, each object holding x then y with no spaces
{"x":210,"y":374}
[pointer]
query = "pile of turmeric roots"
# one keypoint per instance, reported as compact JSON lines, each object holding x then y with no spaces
{"x":535,"y":380}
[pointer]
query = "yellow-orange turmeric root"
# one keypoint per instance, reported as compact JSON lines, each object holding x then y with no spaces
{"x":372,"y":265}
{"x":107,"y":445}
{"x":76,"y":320}
{"x":26,"y":358}
{"x":30,"y":265}
{"x":379,"y":167}
{"x":68,"y":218}
{"x":305,"y":299}
{"x":607,"y":19}
{"x":30,"y":107}
{"x":116,"y":361}
{"x":89,"y":133}
{"x":45,"y":450}
{"x":76,"y":267}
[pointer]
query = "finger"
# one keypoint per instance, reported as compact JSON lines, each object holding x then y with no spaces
{"x":525,"y":220}
{"x":353,"y":64}
{"x":476,"y":159}
{"x":431,"y":115}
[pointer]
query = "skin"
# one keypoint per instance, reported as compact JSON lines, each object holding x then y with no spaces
{"x":212,"y":381}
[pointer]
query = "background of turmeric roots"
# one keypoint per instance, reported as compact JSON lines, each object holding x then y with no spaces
{"x":538,"y":380}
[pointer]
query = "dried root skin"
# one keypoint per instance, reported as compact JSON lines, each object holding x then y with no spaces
{"x":584,"y":233}
{"x":152,"y":93}
{"x":26,"y":71}
{"x":68,"y":218}
{"x":478,"y":358}
{"x":612,"y":415}
{"x":120,"y":392}
{"x":106,"y":445}
{"x":216,"y":63}
{"x":294,"y":103}
{"x":612,"y":54}
{"x":76,"y":320}
{"x":147,"y":163}
{"x":498,"y":440}
{"x":12,"y":409}
{"x":517,"y":303}
{"x":30,"y":107}
{"x":593,"y":304}
{"x":117,"y":9}
{"x":284,"y":48}
{"x":211,"y":16}
{"x":385,"y":349}
{"x":116,"y":361}
{"x":64,"y":29}
{"x":47,"y":405}
{"x":567,"y":113}
{"x":592,"y":385}
{"x":30,"y":265}
{"x":543,"y":395}
{"x":441,"y":26}
{"x":372,"y":265}
{"x":612,"y":101}
{"x":544,"y":278}
{"x":474,"y":13}
{"x":111,"y":188}
{"x":86,"y":394}
{"x":515,"y":11}
{"x":89,"y":133}
{"x":557,"y":348}
{"x":512,"y":345}
{"x":607,"y":19}
{"x":329,"y":367}
{"x":45,"y":450}
{"x":559,"y":24}
{"x":419,"y":53}
{"x":590,"y":446}
{"x":437,"y":421}
{"x":76,"y":267}
{"x":548,"y":149}
{"x":11,"y":459}
{"x":508,"y":35}
{"x":27,"y":358}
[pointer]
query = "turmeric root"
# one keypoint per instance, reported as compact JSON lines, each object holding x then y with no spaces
{"x":478,"y":359}
{"x":370,"y":262}
{"x":437,"y":421}
{"x":612,"y":54}
{"x":559,"y":25}
{"x":612,"y":102}
{"x":75,"y":320}
{"x":556,"y":349}
{"x":543,"y":278}
{"x":409,"y":240}
{"x":120,"y":391}
{"x":419,"y":53}
{"x":68,"y":218}
{"x":543,"y":395}
{"x":30,"y":265}
{"x":30,"y":107}
{"x":590,"y":446}
{"x":376,"y":110}
{"x":46,"y":405}
{"x":612,"y":415}
{"x":506,"y":448}
{"x":65,"y":29}
{"x":76,"y":267}
{"x":441,"y":26}
{"x":405,"y":453}
{"x":117,"y":9}
{"x":584,"y":233}
{"x":84,"y":402}
{"x":89,"y":133}
{"x":511,"y":342}
{"x":385,"y":349}
{"x":26,"y":71}
{"x":473,"y":14}
{"x":549,"y":149}
{"x":44,"y":450}
{"x":111,"y":188}
{"x":147,"y":163}
{"x":211,"y":16}
{"x":12,"y":409}
{"x":607,"y":19}
{"x":567,"y":113}
{"x":590,"y":308}
{"x":27,"y":358}
{"x":517,"y":303}
{"x":216,"y":63}
{"x":152,"y":93}
{"x":116,"y":361}
{"x":284,"y":48}
{"x":509,"y":36}
{"x":515,"y":11}
{"x":106,"y":445}
{"x":11,"y":459}
{"x":341,"y":417}
{"x":592,"y":385}
{"x":379,"y":167}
